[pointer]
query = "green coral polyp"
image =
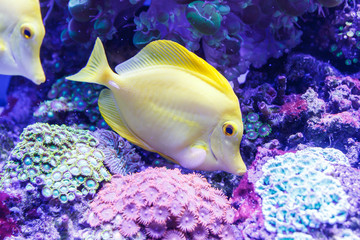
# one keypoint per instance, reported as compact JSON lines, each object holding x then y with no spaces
{"x":63,"y":198}
{"x":252,"y":135}
{"x":71,"y":196}
{"x":252,"y":117}
{"x":250,"y":127}
{"x":95,"y":163}
{"x":23,"y":176}
{"x":36,"y":158}
{"x":39,"y":138}
{"x":105,"y":173}
{"x":55,"y":193}
{"x":264,"y":130}
{"x":254,"y":128}
{"x":64,"y":189}
{"x":56,"y":176}
{"x":91,"y":184}
{"x":80,"y":179}
{"x":32,"y":172}
{"x":204,"y":17}
{"x":46,"y":192}
{"x":74,"y":170}
{"x":99,"y":155}
{"x":27,"y":160}
{"x":86,"y":170}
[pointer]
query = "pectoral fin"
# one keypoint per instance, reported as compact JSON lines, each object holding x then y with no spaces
{"x":192,"y":157}
{"x":112,"y":115}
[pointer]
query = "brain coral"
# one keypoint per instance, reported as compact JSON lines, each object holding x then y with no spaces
{"x":64,"y":162}
{"x":299,"y":194}
{"x":162,"y":204}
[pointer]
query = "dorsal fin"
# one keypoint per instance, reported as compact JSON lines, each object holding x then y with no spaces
{"x":168,"y":53}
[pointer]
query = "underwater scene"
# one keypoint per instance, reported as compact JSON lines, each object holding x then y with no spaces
{"x":179,"y":119}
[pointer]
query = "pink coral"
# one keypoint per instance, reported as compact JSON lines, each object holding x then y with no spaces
{"x":129,"y":228}
{"x":187,"y":221}
{"x":174,"y":235}
{"x":164,"y":204}
{"x":155,"y":230}
{"x":247,"y":199}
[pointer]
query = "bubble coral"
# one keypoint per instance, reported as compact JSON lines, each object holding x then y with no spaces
{"x":91,"y":19}
{"x":82,"y":11}
{"x":204,"y":17}
{"x":172,"y":204}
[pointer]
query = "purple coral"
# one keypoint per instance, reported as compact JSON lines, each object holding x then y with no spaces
{"x":8,"y":226}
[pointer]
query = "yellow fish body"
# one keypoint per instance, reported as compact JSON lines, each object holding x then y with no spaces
{"x":21,"y":35}
{"x":168,"y":100}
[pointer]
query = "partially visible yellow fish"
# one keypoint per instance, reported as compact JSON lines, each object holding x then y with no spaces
{"x":21,"y":35}
{"x":168,"y":100}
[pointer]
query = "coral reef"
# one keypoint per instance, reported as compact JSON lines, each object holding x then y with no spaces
{"x":8,"y":225}
{"x":63,"y":162}
{"x":91,"y":19}
{"x":227,"y":30}
{"x":298,"y":192}
{"x":288,"y":49}
{"x":120,"y":156}
{"x":72,"y":99}
{"x":160,"y":202}
{"x":255,"y":128}
{"x":350,"y":182}
{"x":8,"y":136}
{"x":337,"y":36}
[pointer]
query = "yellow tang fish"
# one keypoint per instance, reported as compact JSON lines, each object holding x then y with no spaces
{"x":167,"y":100}
{"x":21,"y":35}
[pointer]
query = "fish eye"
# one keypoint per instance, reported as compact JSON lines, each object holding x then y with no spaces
{"x":228,"y":129}
{"x":26,"y":32}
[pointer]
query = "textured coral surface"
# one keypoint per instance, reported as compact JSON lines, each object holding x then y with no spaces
{"x":162,"y":203}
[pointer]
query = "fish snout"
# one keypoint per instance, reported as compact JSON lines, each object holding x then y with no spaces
{"x":38,"y":78}
{"x":234,"y":164}
{"x":34,"y":71}
{"x":241,"y":171}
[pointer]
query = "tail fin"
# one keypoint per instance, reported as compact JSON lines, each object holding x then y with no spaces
{"x":97,"y":69}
